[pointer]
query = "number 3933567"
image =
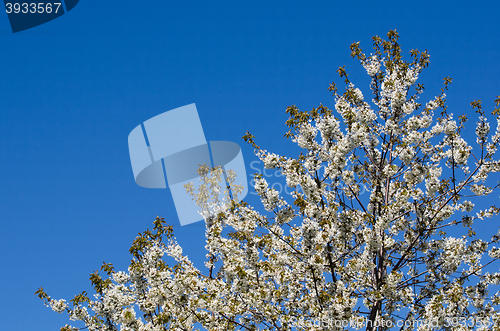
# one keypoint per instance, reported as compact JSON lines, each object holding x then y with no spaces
{"x":25,"y":15}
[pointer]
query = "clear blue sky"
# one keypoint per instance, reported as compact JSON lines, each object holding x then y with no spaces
{"x":71,"y":91}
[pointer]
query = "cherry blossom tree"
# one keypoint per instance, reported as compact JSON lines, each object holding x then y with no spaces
{"x":403,"y":256}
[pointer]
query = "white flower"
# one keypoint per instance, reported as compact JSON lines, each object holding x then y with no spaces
{"x":432,"y":182}
{"x":432,"y":105}
{"x":127,"y":316}
{"x":372,"y":66}
{"x":271,"y":161}
{"x":494,"y":253}
{"x":120,"y":277}
{"x":483,"y":128}
{"x":329,"y":127}
{"x":175,"y":250}
{"x":409,"y":107}
{"x":467,"y":206}
{"x":450,"y":127}
{"x":390,"y":170}
{"x":79,"y":313}
{"x":480,"y":189}
{"x":437,"y":129}
{"x":58,"y":305}
{"x":306,"y":136}
{"x":358,"y":94}
{"x":406,"y":154}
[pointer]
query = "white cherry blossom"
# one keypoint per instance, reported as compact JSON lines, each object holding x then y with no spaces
{"x":380,"y":226}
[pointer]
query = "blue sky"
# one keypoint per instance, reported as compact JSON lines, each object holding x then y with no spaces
{"x":72,"y":90}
